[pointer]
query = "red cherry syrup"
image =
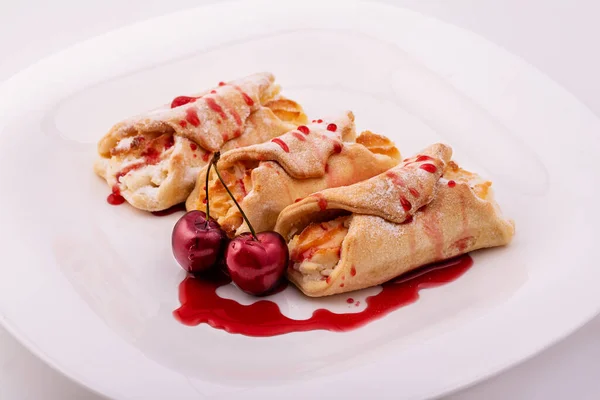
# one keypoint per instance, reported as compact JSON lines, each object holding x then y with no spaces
{"x":201,"y":304}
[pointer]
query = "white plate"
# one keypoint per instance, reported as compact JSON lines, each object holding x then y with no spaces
{"x":90,"y":288}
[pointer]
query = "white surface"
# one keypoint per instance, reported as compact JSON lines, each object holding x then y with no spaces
{"x":523,"y":387}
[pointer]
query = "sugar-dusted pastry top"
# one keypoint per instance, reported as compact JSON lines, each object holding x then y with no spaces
{"x":209,"y":118}
{"x":335,"y":241}
{"x":393,"y":194}
{"x":152,"y":160}
{"x":303,"y":151}
{"x":267,"y":177}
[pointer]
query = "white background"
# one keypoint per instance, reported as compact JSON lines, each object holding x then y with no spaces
{"x":559,"y":37}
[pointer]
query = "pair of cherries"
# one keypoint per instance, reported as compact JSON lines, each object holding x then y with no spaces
{"x":255,"y":262}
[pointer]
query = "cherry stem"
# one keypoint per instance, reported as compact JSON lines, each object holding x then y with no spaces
{"x":214,"y":161}
{"x":206,"y":193}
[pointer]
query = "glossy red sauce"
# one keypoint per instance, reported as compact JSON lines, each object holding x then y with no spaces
{"x":191,"y":116}
{"x":247,"y":98}
{"x":337,"y":147}
{"x":423,"y":158}
{"x":181,"y":100}
{"x":322,"y":201}
{"x":299,"y":136}
{"x":127,"y":170}
{"x":201,"y":304}
{"x":429,"y":168}
{"x":169,"y":142}
{"x":304,"y":129}
{"x":115,"y":198}
{"x":171,"y":210}
{"x":242,"y":186}
{"x":405,"y":204}
{"x":212,"y":104}
{"x":281,"y":144}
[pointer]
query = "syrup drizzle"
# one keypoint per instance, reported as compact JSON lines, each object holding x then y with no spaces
{"x":281,"y":144}
{"x":405,"y":203}
{"x":191,"y":116}
{"x":212,"y":104}
{"x":423,"y":158}
{"x":431,"y":226}
{"x":337,"y":147}
{"x":247,"y":98}
{"x":428,"y":167}
{"x":182,"y":100}
{"x":171,"y":210}
{"x":396,"y":179}
{"x":151,"y":156}
{"x":299,"y":136}
{"x":115,"y":198}
{"x":127,"y":170}
{"x":322,"y":201}
{"x":201,"y":304}
{"x":242,"y":187}
{"x":304,"y":129}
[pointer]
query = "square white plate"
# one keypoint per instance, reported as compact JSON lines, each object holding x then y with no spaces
{"x":90,"y":288}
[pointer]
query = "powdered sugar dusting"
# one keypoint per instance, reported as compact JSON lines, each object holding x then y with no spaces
{"x":223,"y":117}
{"x":303,"y":153}
{"x":386,"y":227}
{"x":396,"y":194}
{"x":124,"y":144}
{"x":208,"y":132}
{"x":393,"y":194}
{"x":378,"y":197}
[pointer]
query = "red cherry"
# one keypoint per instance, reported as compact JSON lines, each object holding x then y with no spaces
{"x":257,"y":266}
{"x":255,"y":262}
{"x":198,"y":244}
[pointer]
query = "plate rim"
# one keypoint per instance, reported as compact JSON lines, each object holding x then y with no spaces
{"x":33,"y":69}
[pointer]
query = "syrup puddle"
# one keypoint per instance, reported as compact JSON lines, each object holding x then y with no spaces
{"x":200,"y":303}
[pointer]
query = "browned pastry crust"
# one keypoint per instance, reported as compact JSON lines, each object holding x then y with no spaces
{"x":367,"y":237}
{"x":267,"y":177}
{"x":153,"y":159}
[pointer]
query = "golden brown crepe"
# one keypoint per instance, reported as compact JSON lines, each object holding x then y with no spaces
{"x":267,"y":177}
{"x":351,"y":238}
{"x":153,"y":159}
